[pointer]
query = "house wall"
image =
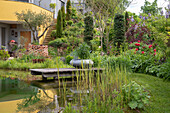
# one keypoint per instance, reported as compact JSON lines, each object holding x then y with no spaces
{"x":6,"y":26}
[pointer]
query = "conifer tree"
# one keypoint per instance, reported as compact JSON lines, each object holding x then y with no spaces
{"x":68,"y":14}
{"x":63,"y":16}
{"x":119,"y":29}
{"x":126,"y":21}
{"x":59,"y":24}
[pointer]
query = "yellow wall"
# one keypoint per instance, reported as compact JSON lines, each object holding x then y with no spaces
{"x":9,"y":8}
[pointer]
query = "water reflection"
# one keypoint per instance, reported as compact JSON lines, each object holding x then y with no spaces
{"x":39,"y":96}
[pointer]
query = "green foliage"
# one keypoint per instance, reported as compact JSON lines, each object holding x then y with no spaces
{"x":63,"y":16}
{"x":150,"y":7}
{"x":22,"y":65}
{"x":52,"y":5}
{"x":29,"y":57}
{"x":68,"y":9}
{"x":135,"y":96}
{"x":119,"y":61}
{"x":4,"y":55}
{"x":33,"y":20}
{"x":70,"y":22}
{"x":59,"y":24}
{"x":119,"y":29}
{"x":83,"y":51}
{"x":68,"y":59}
{"x":88,"y":32}
{"x":58,"y":42}
{"x":53,"y":34}
{"x":161,"y":70}
{"x":126,"y":21}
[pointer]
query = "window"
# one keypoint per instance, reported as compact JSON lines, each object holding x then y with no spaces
{"x":23,"y":0}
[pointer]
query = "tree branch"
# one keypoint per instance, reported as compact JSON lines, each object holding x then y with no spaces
{"x":44,"y":32}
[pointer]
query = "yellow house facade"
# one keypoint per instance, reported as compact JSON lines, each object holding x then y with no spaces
{"x":10,"y":28}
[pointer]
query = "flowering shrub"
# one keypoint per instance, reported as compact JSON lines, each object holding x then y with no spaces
{"x":142,"y":48}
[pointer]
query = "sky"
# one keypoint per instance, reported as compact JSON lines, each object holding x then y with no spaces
{"x":136,"y":5}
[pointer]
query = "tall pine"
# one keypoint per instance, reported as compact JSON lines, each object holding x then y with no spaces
{"x":68,"y":9}
{"x":63,"y":16}
{"x":59,"y":24}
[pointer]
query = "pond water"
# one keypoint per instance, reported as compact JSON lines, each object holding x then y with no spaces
{"x":36,"y":96}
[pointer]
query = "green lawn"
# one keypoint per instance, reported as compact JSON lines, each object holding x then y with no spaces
{"x":159,"y":91}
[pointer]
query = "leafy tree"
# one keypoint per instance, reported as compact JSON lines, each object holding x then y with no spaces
{"x":33,"y":21}
{"x":119,"y":29}
{"x":59,"y":24}
{"x":88,"y":32}
{"x":68,"y":8}
{"x":52,"y":6}
{"x":150,"y":7}
{"x":63,"y":16}
{"x":103,"y":11}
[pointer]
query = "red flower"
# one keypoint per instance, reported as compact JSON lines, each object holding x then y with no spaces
{"x":137,"y":44}
{"x":138,"y":40}
{"x":137,"y":49}
{"x":143,"y":46}
{"x":12,"y":41}
{"x":155,"y":50}
{"x":154,"y":54}
{"x":143,"y":52}
{"x":150,"y":46}
{"x":130,"y":42}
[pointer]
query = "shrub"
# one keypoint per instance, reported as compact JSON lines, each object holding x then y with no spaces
{"x":119,"y":29}
{"x":68,"y":59}
{"x":53,"y":34}
{"x":70,"y":22}
{"x":88,"y":32}
{"x":68,"y":9}
{"x":135,"y":96}
{"x":59,"y":24}
{"x":4,"y":55}
{"x":83,"y":51}
{"x":57,"y":42}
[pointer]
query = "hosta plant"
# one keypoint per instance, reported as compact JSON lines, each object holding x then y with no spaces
{"x":135,"y":96}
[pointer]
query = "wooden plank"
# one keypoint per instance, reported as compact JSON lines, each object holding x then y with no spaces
{"x":63,"y":70}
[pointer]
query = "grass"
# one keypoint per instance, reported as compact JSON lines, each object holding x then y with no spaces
{"x":159,"y":90}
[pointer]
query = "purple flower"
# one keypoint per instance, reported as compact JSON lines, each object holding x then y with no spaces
{"x":140,"y":16}
{"x":143,"y":24}
{"x":146,"y":17}
{"x":143,"y":18}
{"x":110,"y":46}
{"x":136,"y":26}
{"x":169,"y":6}
{"x":132,"y":19}
{"x":149,"y":14}
{"x":167,"y":14}
{"x":156,"y":17}
{"x":162,"y":12}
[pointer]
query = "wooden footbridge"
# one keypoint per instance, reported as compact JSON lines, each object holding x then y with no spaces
{"x":62,"y":72}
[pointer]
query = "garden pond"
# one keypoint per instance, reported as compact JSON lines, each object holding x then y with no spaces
{"x":33,"y":95}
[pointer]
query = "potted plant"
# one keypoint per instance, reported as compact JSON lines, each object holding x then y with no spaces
{"x":83,"y":52}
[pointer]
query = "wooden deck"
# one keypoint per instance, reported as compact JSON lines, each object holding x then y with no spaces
{"x":61,"y":72}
